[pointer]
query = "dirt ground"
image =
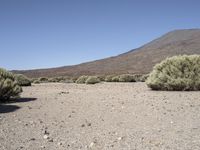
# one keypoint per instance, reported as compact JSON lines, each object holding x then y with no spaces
{"x":105,"y":116}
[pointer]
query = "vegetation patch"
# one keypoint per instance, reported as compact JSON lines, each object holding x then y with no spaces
{"x":92,"y":80}
{"x":9,"y":87}
{"x":81,"y":79}
{"x":22,"y":80}
{"x":178,"y":73}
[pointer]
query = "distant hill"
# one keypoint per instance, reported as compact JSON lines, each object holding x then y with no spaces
{"x":140,"y":60}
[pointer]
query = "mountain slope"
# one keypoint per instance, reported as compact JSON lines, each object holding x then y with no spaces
{"x":140,"y":60}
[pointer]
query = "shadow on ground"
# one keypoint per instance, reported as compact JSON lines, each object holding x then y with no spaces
{"x":7,"y":108}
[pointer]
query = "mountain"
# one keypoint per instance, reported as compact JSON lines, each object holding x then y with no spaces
{"x":140,"y":60}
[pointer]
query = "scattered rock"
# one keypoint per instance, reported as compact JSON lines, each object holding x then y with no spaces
{"x":46,"y":136}
{"x":83,"y":125}
{"x":91,"y":145}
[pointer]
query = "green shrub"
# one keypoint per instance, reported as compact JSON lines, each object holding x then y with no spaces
{"x":127,"y":78}
{"x":81,"y":79}
{"x":179,"y":73}
{"x":92,"y":80}
{"x":36,"y":82}
{"x":144,"y":77}
{"x":115,"y":79}
{"x":108,"y":78}
{"x":9,"y":87}
{"x":22,"y":80}
{"x":43,"y":79}
{"x":101,"y":77}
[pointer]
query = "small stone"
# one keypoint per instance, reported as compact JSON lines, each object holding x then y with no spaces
{"x":119,"y":138}
{"x":32,"y":139}
{"x":83,"y":125}
{"x":50,"y":140}
{"x":91,"y":145}
{"x":46,"y":136}
{"x":42,"y":146}
{"x":89,"y":124}
{"x":59,"y":143}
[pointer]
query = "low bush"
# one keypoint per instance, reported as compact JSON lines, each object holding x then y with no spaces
{"x":92,"y":80}
{"x":108,"y":78}
{"x":115,"y":79}
{"x":81,"y":79}
{"x":127,"y":78}
{"x":22,"y":80}
{"x":179,"y":73}
{"x":43,"y":79}
{"x":36,"y":82}
{"x":9,"y":87}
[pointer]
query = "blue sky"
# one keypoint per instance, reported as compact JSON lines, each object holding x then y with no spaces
{"x":51,"y":33}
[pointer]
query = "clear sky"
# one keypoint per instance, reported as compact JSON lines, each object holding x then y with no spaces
{"x":51,"y":33}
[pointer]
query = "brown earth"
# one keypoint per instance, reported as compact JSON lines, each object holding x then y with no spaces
{"x":138,"y":61}
{"x":105,"y":116}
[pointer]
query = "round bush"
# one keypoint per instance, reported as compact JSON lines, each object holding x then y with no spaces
{"x":92,"y":80}
{"x":22,"y":80}
{"x":9,"y":87}
{"x":127,"y":78}
{"x":115,"y":79}
{"x":43,"y":79}
{"x":178,"y":73}
{"x":108,"y":78}
{"x":36,"y":82}
{"x":81,"y":79}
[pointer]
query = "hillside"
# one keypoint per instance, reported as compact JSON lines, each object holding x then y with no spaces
{"x":140,"y":60}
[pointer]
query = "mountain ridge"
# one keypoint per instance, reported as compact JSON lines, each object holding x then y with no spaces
{"x":140,"y":60}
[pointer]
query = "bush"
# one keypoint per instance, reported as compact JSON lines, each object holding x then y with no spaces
{"x":115,"y":79}
{"x":92,"y":80}
{"x":9,"y":87}
{"x":127,"y":78}
{"x":81,"y":79}
{"x":109,"y":78}
{"x":22,"y":80}
{"x":43,"y":80}
{"x":179,"y":73}
{"x":36,"y":82}
{"x":143,"y":78}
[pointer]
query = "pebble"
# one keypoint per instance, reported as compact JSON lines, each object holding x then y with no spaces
{"x":119,"y":138}
{"x":91,"y":145}
{"x":46,"y":136}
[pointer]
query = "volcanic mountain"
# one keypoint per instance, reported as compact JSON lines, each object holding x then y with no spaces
{"x":136,"y":61}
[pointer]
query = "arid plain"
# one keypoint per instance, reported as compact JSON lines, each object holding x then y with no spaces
{"x":104,"y":116}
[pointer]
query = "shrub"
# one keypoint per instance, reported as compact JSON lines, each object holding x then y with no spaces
{"x":101,"y":77}
{"x":144,"y":77}
{"x":115,"y":79}
{"x":108,"y":78}
{"x":81,"y":79}
{"x":127,"y":78}
{"x":92,"y":80}
{"x":9,"y":87}
{"x":179,"y":73}
{"x":43,"y":79}
{"x":36,"y":82}
{"x":22,"y":80}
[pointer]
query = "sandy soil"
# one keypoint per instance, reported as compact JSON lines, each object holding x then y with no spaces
{"x":117,"y":116}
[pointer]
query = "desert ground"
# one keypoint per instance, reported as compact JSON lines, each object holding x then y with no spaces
{"x":104,"y":116}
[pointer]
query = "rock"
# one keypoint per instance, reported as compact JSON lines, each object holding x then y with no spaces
{"x":32,"y":139}
{"x":59,"y":143}
{"x":50,"y":140}
{"x":83,"y":125}
{"x":91,"y":145}
{"x":119,"y":138}
{"x":46,"y":136}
